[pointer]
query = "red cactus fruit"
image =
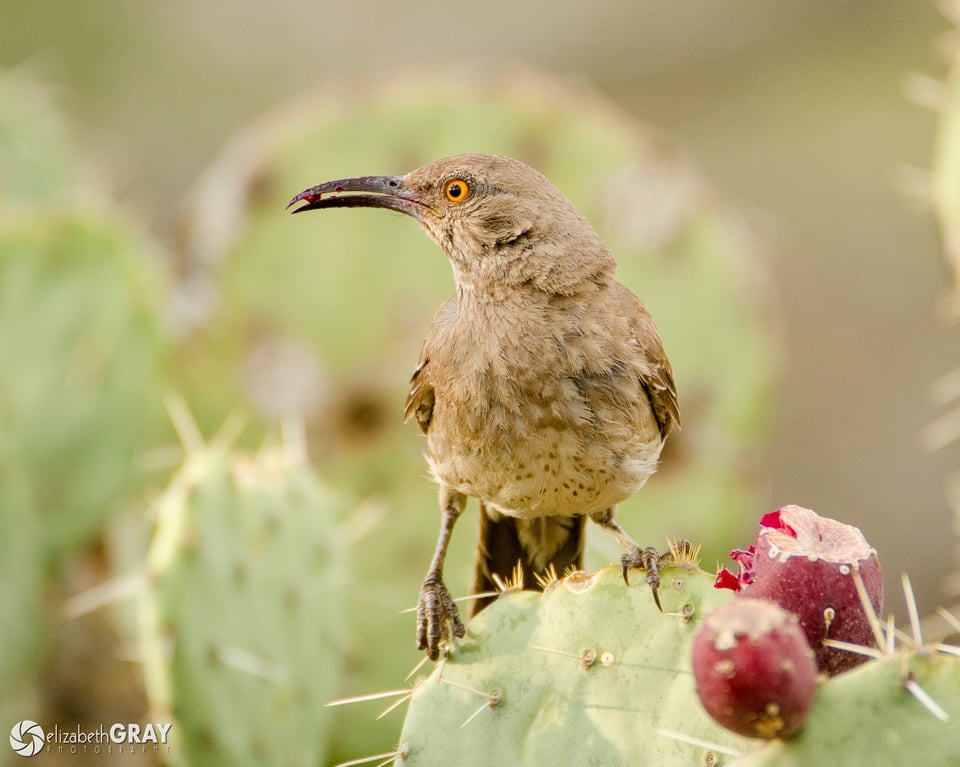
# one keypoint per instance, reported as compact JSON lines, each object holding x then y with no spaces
{"x":754,"y":669}
{"x":805,"y":563}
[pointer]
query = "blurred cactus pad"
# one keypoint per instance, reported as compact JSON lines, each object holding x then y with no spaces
{"x":82,"y":352}
{"x":243,"y":615}
{"x":323,"y":316}
{"x":38,"y":163}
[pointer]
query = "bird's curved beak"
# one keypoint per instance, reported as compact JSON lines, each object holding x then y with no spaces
{"x":363,"y":192}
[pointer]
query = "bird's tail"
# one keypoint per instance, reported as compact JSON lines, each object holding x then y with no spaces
{"x":542,"y":546}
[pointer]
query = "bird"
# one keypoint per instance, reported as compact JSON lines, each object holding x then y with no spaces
{"x":542,"y":387}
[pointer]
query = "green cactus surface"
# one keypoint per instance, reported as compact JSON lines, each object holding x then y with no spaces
{"x":38,"y":163}
{"x":22,"y":597}
{"x":83,"y":353}
{"x":867,"y":716}
{"x":589,"y":672}
{"x":242,"y":624}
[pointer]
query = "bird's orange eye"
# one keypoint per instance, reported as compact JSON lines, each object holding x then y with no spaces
{"x":456,"y":190}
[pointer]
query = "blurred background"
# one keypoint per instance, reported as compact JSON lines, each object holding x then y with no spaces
{"x":783,"y":133}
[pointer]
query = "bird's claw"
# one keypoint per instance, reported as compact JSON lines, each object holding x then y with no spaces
{"x":649,"y":560}
{"x":437,"y":617}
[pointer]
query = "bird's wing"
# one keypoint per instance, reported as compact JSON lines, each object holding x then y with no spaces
{"x":421,"y":397}
{"x":663,"y":396}
{"x":656,"y":375}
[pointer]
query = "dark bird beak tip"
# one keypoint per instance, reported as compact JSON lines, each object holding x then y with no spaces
{"x":308,"y":198}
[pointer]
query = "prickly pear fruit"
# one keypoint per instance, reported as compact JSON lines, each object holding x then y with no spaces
{"x":807,"y":564}
{"x":754,"y":669}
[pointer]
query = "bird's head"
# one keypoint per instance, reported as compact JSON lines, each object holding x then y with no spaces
{"x":500,"y":222}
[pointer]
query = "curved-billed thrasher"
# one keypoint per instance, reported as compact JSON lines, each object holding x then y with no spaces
{"x":542,"y":386}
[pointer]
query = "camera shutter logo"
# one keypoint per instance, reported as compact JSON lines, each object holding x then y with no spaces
{"x":26,"y":738}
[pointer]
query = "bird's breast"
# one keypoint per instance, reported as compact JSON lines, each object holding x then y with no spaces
{"x":532,"y":435}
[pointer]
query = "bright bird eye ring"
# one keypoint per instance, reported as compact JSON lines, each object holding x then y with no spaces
{"x":456,"y":190}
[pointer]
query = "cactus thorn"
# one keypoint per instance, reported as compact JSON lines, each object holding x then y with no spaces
{"x":416,"y":668}
{"x":491,"y":702}
{"x":546,"y":578}
{"x":684,"y":554}
{"x":369,"y":696}
{"x":912,"y":611}
{"x":699,"y":742}
{"x":949,"y":617}
{"x":396,"y":704}
{"x":913,"y":687}
{"x":586,"y":659}
{"x":685,"y":613}
{"x":513,"y":583}
{"x":184,"y":423}
{"x":859,"y":649}
{"x":892,"y":632}
{"x":243,"y":660}
{"x":113,"y":591}
{"x":403,"y":752}
{"x":868,"y":610}
{"x":462,"y":686}
{"x":947,"y":649}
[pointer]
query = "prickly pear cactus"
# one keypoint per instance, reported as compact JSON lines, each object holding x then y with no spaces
{"x":78,"y":325}
{"x":591,"y":673}
{"x":241,"y":626}
{"x":868,"y":716}
{"x":37,"y":161}
{"x":82,"y":358}
{"x":325,"y":317}
{"x":22,"y":596}
{"x":587,"y":673}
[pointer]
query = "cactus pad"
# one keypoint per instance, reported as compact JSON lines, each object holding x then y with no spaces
{"x":240,"y":628}
{"x":586,"y":673}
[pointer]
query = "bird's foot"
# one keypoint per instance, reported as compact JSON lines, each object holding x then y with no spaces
{"x":437,"y":616}
{"x":647,"y":559}
{"x":651,"y":562}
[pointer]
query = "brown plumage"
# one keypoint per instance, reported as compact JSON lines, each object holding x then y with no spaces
{"x":542,"y":386}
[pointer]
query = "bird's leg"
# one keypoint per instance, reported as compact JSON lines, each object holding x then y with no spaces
{"x":648,"y":559}
{"x":436,"y":611}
